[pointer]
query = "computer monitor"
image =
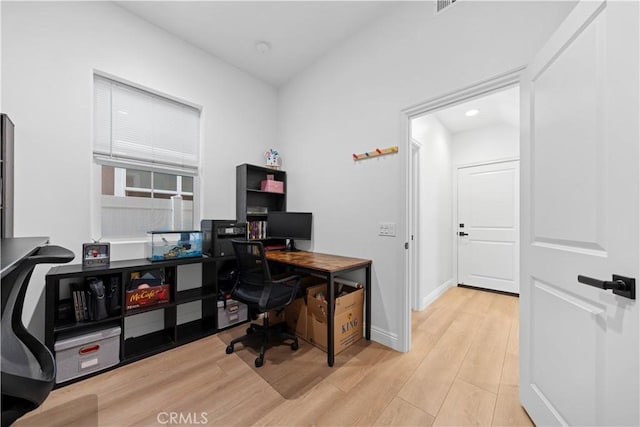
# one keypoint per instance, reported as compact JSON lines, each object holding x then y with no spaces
{"x":289,"y":225}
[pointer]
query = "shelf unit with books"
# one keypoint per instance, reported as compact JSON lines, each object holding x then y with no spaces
{"x":253,"y":203}
{"x":189,"y":313}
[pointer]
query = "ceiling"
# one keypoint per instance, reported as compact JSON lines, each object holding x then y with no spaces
{"x":298,"y":32}
{"x":495,"y":109}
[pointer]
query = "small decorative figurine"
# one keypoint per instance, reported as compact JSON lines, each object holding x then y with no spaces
{"x":273,"y":158}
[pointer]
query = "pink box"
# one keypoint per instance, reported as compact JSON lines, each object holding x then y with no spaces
{"x":272,"y":186}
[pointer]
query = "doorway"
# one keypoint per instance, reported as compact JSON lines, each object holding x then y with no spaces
{"x":480,"y":131}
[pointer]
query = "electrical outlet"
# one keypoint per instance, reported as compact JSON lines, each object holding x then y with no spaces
{"x":386,"y":229}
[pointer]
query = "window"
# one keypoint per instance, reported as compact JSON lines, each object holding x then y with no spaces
{"x":146,"y":147}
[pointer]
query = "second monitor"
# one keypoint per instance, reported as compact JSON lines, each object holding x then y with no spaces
{"x":289,"y":225}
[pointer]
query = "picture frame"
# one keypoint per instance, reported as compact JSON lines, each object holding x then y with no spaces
{"x":96,"y":254}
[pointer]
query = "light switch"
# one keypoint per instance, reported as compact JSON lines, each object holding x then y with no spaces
{"x":387,"y":229}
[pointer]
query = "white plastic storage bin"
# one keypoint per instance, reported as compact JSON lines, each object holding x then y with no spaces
{"x":83,"y":354}
{"x":234,"y":312}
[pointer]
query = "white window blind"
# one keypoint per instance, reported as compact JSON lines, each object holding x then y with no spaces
{"x":147,"y":149}
{"x":133,"y":127}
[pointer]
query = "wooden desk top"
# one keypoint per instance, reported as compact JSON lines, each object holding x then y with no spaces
{"x":317,"y":261}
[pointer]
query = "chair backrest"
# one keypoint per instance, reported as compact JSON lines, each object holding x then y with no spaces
{"x":253,"y":268}
{"x":28,"y":367}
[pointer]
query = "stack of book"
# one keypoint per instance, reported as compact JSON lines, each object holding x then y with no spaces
{"x":79,"y":296}
{"x":256,"y":230}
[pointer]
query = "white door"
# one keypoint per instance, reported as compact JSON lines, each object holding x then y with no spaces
{"x":488,"y":213}
{"x":579,"y":360}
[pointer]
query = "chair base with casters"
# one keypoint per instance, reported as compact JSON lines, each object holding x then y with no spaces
{"x":264,"y":333}
{"x":256,"y":288}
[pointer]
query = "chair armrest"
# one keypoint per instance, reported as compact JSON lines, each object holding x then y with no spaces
{"x":287,"y":279}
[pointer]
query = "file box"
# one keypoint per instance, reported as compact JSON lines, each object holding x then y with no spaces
{"x":83,"y":354}
{"x":233,"y":313}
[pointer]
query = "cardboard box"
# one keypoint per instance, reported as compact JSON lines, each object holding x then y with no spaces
{"x":348,"y":318}
{"x":295,"y":314}
{"x":146,"y":288}
{"x":146,"y":297}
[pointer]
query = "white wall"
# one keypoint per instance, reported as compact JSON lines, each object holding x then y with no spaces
{"x":1,"y":110}
{"x":486,"y":144}
{"x":351,"y":100}
{"x":436,"y":201}
{"x":49,"y":53}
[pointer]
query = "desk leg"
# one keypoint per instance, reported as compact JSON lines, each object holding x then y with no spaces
{"x":330,"y":320}
{"x":367,"y":296}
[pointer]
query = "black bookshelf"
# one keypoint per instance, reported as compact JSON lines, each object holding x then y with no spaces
{"x":252,"y":203}
{"x":168,"y":334}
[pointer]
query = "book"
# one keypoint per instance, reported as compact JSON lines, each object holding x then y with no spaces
{"x":76,"y":305}
{"x":85,"y":306}
{"x":145,"y":279}
{"x":77,"y":291}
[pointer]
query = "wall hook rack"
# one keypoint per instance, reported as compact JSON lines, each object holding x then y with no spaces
{"x":377,"y":152}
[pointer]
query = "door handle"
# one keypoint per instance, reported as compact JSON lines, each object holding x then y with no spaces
{"x":462,"y":233}
{"x":623,"y":286}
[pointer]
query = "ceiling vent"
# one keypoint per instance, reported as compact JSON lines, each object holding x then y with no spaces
{"x":441,"y":5}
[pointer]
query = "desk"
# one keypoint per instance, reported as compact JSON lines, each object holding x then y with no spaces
{"x":328,"y":266}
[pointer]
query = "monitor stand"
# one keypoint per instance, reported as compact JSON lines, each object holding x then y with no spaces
{"x":291,"y":246}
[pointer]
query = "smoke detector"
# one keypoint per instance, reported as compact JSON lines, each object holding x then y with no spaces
{"x":262,"y":47}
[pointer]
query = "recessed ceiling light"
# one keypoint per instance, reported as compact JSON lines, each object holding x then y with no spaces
{"x":262,"y":47}
{"x":471,"y":113}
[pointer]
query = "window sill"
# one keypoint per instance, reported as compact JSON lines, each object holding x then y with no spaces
{"x":132,"y":248}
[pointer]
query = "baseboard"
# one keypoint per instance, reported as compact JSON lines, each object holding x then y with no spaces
{"x":385,"y":338}
{"x":429,"y":299}
{"x":496,"y":291}
{"x":392,"y":340}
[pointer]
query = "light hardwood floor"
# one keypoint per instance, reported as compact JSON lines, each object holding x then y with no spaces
{"x":462,"y":370}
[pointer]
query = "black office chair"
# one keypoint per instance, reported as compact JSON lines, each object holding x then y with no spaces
{"x":256,"y":288}
{"x":28,"y":367}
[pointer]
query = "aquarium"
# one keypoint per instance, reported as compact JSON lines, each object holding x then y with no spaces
{"x":167,"y":245}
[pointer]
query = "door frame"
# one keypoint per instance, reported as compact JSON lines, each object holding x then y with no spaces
{"x":456,"y":241}
{"x":481,"y":88}
{"x":414,"y":215}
